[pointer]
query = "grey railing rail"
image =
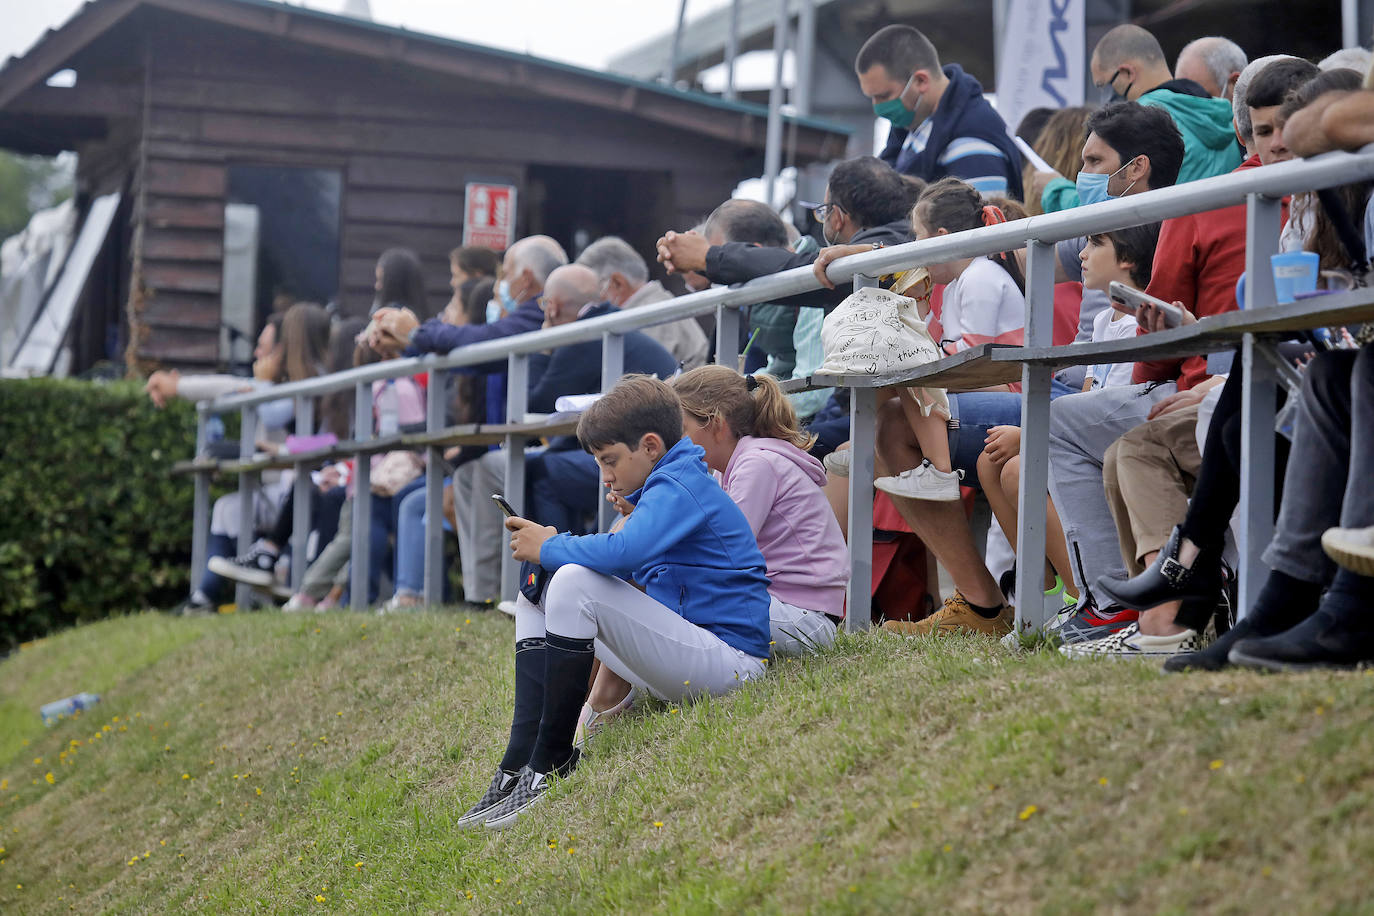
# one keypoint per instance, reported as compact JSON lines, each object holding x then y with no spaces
{"x":1260,"y":189}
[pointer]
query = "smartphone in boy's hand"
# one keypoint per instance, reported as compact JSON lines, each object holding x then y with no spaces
{"x":1130,"y":300}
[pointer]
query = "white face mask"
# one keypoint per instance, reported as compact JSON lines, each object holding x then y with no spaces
{"x":493,"y":310}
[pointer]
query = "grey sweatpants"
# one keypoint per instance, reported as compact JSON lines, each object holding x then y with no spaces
{"x":1082,"y":428}
{"x":480,"y":530}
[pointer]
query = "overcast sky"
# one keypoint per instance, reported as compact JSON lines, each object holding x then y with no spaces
{"x":558,"y":29}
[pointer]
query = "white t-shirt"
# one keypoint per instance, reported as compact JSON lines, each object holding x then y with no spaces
{"x":1110,"y":375}
{"x":981,"y":306}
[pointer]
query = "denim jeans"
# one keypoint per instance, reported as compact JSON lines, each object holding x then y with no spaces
{"x":977,"y":413}
{"x":410,"y":540}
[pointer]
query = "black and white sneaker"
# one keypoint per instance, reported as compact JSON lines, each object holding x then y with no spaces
{"x":502,"y":784}
{"x":252,"y":568}
{"x":527,"y":792}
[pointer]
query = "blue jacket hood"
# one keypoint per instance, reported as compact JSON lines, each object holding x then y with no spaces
{"x":689,"y":546}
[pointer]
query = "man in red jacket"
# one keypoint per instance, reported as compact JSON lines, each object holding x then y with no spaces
{"x":1197,"y":262}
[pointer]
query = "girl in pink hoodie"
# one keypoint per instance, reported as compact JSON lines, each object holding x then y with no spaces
{"x":751,"y":437}
{"x":750,"y":434}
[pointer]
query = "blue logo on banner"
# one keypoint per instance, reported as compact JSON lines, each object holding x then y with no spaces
{"x":1061,"y":70}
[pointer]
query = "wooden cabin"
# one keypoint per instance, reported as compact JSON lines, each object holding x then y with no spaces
{"x":338,"y":139}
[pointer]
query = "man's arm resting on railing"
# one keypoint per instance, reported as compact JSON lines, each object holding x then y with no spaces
{"x":1335,"y":120}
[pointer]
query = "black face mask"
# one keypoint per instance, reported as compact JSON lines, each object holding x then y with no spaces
{"x":1109,"y":93}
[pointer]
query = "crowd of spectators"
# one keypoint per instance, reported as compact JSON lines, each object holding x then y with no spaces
{"x":1144,"y":457}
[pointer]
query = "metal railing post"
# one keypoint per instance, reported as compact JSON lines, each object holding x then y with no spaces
{"x":727,"y":336}
{"x":612,"y":368}
{"x":1259,"y":395}
{"x":360,"y":555}
{"x":517,"y":402}
{"x":200,"y":506}
{"x":435,"y":404}
{"x":1035,"y":441}
{"x":248,"y":483}
{"x":301,"y":489}
{"x":863,"y":431}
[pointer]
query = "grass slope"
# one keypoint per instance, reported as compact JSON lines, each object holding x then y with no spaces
{"x":265,"y":763}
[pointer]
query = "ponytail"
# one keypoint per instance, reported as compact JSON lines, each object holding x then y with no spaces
{"x":955,"y":206}
{"x":749,"y":405}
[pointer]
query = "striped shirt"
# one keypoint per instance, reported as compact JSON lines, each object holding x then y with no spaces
{"x":969,"y":159}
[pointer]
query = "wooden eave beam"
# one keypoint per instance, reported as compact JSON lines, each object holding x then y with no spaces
{"x":57,"y":47}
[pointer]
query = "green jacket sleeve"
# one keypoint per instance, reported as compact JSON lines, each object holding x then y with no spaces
{"x":1059,"y":194}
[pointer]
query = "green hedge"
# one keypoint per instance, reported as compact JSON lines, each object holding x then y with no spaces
{"x":91,"y":522}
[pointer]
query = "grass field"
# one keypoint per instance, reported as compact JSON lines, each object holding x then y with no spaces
{"x":275,"y":764}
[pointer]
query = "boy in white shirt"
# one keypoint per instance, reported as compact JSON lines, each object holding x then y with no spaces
{"x":1125,"y":255}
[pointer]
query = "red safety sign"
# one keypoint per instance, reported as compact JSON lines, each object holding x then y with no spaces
{"x":489,"y":215}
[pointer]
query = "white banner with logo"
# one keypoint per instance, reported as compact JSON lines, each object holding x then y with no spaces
{"x":1042,"y":60}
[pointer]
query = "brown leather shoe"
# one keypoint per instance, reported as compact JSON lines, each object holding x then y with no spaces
{"x":956,"y":615}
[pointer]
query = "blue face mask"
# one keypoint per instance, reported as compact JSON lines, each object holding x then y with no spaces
{"x":507,"y":300}
{"x":493,"y":310}
{"x":1092,"y":188}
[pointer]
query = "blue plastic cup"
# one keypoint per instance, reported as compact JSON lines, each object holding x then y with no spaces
{"x":1295,"y":273}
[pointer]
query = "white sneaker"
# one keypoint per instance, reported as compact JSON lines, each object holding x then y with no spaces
{"x":1129,"y":642}
{"x":837,"y":462}
{"x":923,"y":482}
{"x":401,"y":604}
{"x":506,"y":607}
{"x":300,"y":604}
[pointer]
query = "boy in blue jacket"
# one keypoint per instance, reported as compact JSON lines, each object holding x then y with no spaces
{"x":699,"y":626}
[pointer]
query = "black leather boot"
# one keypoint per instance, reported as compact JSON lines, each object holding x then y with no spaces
{"x":1334,"y":637}
{"x":1167,"y":579}
{"x":1283,"y":603}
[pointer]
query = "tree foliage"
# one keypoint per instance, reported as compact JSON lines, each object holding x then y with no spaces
{"x":28,"y":184}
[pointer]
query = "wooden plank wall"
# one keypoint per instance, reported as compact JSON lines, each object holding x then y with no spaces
{"x":406,"y":143}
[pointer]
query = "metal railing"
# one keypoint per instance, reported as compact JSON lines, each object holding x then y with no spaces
{"x":1259,"y":189}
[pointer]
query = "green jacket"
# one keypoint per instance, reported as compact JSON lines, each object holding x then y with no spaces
{"x":1210,"y":146}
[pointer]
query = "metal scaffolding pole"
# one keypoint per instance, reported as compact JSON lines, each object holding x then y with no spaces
{"x":772,"y":151}
{"x":670,"y":72}
{"x":732,"y":51}
{"x":806,"y":50}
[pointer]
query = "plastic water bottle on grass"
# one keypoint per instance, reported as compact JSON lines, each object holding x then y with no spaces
{"x":65,"y":707}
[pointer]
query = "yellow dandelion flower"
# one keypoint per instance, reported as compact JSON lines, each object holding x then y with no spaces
{"x":571,"y":850}
{"x":4,"y":784}
{"x":1300,"y":778}
{"x":1266,"y":871}
{"x":685,"y":683}
{"x":339,"y":714}
{"x":1102,"y":781}
{"x":658,"y":823}
{"x":673,"y":711}
{"x":915,"y":804}
{"x":469,"y":894}
{"x":104,"y":728}
{"x":948,"y":848}
{"x":1321,"y":711}
{"x":185,"y":775}
{"x":1214,"y":765}
{"x":317,"y":629}
{"x":319,"y":898}
{"x":115,"y":719}
{"x":38,"y":761}
{"x":1026,"y":812}
{"x":357,"y":865}
{"x":49,"y":777}
{"x":467,"y":620}
{"x":134,"y":860}
{"x":853,"y":888}
{"x":259,"y":791}
{"x":19,"y":887}
{"x":498,"y":880}
{"x":162,"y":842}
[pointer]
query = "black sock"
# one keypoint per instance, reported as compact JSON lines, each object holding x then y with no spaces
{"x":1283,"y":602}
{"x":529,"y":703}
{"x":988,"y":612}
{"x":568,"y":667}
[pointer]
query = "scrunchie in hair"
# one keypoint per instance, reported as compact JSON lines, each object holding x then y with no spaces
{"x":750,"y":383}
{"x":993,"y":215}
